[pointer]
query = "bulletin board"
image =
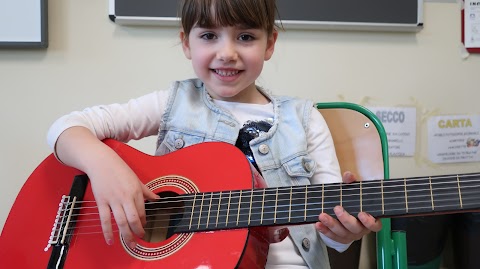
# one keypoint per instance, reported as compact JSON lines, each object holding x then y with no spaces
{"x":23,"y":24}
{"x":391,"y":15}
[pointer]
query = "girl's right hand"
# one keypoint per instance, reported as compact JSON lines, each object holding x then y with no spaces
{"x":117,"y":190}
{"x":115,"y":186}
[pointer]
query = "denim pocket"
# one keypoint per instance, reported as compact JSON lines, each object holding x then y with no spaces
{"x":175,"y":140}
{"x":301,"y":166}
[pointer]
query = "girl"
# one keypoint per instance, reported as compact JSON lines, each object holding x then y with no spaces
{"x":285,"y":138}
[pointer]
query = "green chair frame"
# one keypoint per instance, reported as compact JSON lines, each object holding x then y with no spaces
{"x":391,"y":248}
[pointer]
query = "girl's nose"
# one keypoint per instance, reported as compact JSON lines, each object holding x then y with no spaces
{"x":227,"y":52}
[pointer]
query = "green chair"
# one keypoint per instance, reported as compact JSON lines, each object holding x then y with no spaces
{"x":361,"y":145}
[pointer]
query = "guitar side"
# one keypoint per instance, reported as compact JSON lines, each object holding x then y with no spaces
{"x":200,"y":168}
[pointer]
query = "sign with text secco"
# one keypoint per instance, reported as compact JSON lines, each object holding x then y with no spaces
{"x":400,"y":125}
{"x":453,"y":139}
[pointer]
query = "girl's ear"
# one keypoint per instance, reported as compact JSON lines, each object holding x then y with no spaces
{"x":185,"y":44}
{"x":272,"y":39}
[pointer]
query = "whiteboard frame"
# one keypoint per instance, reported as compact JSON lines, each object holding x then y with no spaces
{"x":287,"y":24}
{"x":41,"y":42}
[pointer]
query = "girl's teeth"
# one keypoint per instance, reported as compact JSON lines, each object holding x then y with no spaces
{"x":226,"y":73}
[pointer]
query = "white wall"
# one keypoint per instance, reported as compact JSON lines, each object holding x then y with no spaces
{"x":91,"y":60}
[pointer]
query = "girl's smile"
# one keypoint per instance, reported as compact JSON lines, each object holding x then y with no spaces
{"x":227,"y":75}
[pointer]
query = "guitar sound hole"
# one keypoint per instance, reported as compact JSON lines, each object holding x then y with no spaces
{"x":162,"y":217}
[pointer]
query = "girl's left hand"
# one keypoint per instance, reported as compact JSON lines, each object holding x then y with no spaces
{"x":347,"y":228}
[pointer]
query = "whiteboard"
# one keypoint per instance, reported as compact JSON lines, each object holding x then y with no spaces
{"x":390,"y":15}
{"x":23,"y":24}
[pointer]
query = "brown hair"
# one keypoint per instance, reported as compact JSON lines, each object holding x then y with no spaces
{"x":258,"y":14}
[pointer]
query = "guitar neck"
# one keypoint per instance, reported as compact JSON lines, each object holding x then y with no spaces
{"x":303,"y":204}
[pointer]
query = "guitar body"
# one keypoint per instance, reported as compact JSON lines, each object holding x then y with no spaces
{"x":201,"y":168}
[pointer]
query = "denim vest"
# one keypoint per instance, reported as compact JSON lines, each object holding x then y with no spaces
{"x":191,"y":117}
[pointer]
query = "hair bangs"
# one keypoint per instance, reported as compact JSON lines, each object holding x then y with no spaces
{"x":257,"y":14}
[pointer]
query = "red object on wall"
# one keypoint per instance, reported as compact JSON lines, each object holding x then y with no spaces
{"x":470,"y":50}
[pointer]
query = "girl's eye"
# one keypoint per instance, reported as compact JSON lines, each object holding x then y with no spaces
{"x":207,"y":36}
{"x":246,"y":37}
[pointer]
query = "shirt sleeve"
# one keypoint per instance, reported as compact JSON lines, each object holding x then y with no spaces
{"x":321,"y":148}
{"x":138,"y":118}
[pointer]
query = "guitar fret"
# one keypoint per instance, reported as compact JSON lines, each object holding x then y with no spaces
{"x":239,"y":206}
{"x":305,"y":211}
{"x":234,"y":202}
{"x":419,"y":195}
{"x":341,"y":193}
{"x":361,"y":196}
{"x":276,"y":205}
{"x":283,"y":205}
{"x":406,"y":195}
{"x":263,"y":206}
{"x":323,"y":196}
{"x":244,"y":211}
{"x":201,"y":209}
{"x":250,"y":208}
{"x":459,"y":192}
{"x":296,"y":196}
{"x":331,"y":198}
{"x":270,"y":206}
{"x":470,"y":191}
{"x":383,"y":199}
{"x":219,"y":206}
{"x":290,"y":205}
{"x":228,"y":208}
{"x":193,"y":211}
{"x":395,"y":197}
{"x":371,"y":197}
{"x":256,"y":209}
{"x":209,"y":208}
{"x":445,"y":193}
{"x":431,"y":193}
{"x":352,"y":194}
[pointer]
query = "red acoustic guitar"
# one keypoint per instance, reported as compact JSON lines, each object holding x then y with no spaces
{"x":214,"y":212}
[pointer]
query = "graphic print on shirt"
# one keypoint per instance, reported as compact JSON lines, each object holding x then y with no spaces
{"x":250,"y":131}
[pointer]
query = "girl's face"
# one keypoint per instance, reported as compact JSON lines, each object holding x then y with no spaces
{"x":229,"y":60}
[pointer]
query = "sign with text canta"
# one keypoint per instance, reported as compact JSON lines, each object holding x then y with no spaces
{"x":453,"y":139}
{"x":400,"y":125}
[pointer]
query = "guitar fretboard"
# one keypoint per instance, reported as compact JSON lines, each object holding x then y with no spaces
{"x":303,"y":204}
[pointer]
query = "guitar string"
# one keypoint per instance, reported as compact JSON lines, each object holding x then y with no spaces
{"x":412,"y":197}
{"x":412,"y":207}
{"x":349,"y":186}
{"x":268,"y":200}
{"x":78,"y":232}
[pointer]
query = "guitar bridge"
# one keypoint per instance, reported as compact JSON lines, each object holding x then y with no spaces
{"x":64,"y":225}
{"x":60,"y":219}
